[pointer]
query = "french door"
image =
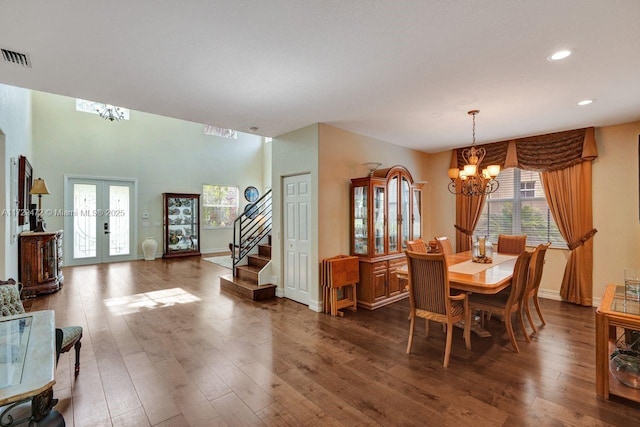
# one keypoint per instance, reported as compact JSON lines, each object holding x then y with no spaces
{"x":102,"y":226}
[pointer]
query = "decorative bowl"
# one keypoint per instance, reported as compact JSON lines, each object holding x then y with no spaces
{"x":625,"y":367}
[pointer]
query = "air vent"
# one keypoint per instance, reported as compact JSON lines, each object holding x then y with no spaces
{"x":16,"y":58}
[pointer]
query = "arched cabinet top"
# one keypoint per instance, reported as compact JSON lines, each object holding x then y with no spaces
{"x":394,"y":170}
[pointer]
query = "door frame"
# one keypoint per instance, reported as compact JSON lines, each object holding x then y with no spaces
{"x":68,"y":220}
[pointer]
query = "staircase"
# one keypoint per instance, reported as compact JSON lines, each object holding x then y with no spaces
{"x":251,"y":252}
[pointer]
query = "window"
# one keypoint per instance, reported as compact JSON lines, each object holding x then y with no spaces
{"x":527,"y":189}
{"x":95,"y":108}
{"x":219,"y":205}
{"x":223,"y":132}
{"x":519,"y":207}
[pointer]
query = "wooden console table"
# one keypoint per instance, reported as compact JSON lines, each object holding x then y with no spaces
{"x":27,"y":366}
{"x":612,"y":317}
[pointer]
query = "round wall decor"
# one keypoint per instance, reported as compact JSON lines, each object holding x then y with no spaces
{"x":251,"y":194}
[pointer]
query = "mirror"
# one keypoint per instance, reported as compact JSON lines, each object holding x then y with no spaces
{"x":25,"y":180}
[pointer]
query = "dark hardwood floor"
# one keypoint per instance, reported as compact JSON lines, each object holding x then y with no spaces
{"x":164,"y":346}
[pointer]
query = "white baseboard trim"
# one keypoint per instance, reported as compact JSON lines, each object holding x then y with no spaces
{"x":555,"y":295}
{"x":315,"y":306}
{"x":280,"y":292}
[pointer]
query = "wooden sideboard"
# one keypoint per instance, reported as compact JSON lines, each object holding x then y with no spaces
{"x":40,"y":262}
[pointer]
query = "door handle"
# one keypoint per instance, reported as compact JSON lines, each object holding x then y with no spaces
{"x":106,"y":228}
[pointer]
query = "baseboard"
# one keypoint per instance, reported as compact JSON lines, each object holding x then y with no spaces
{"x":280,"y":292}
{"x":555,"y":295}
{"x":315,"y":306}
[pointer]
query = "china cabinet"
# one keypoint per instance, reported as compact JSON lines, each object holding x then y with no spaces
{"x":385,"y":213}
{"x":616,"y":319}
{"x":181,"y":234}
{"x":40,"y":261}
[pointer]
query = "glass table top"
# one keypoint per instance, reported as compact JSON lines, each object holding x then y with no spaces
{"x":14,"y":339}
{"x":624,"y":305}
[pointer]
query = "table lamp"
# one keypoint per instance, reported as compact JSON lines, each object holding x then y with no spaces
{"x":39,"y":187}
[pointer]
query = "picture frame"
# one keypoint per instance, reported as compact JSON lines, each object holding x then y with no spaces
{"x":25,"y":181}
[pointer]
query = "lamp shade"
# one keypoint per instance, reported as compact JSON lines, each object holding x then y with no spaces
{"x":39,"y":187}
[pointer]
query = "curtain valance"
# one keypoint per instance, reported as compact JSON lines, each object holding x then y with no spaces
{"x":542,"y":153}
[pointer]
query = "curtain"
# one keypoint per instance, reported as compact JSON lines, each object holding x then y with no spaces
{"x":564,"y":160}
{"x":468,"y":210}
{"x":568,"y":192}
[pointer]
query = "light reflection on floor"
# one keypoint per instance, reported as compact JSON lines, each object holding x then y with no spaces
{"x":149,"y":301}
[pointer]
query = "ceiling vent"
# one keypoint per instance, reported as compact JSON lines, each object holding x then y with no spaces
{"x":17,"y":58}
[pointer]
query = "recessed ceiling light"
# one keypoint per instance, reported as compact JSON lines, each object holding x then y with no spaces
{"x":585,"y":102}
{"x":561,"y":54}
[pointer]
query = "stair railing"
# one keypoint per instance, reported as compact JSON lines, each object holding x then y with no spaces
{"x":250,"y":228}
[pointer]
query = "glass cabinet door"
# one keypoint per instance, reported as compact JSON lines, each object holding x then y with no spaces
{"x":405,"y":213}
{"x":360,"y":216}
{"x":393,"y":216}
{"x":416,"y":219}
{"x":378,"y":219}
{"x":182,"y":224}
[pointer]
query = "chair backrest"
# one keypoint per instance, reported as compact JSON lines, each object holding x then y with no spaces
{"x":416,"y":246}
{"x":444,"y":245}
{"x":508,"y":244}
{"x":535,"y":267}
{"x":428,"y":282}
{"x":10,"y":303}
{"x":520,"y":278}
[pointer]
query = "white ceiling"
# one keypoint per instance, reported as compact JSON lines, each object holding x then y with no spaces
{"x":405,"y":72}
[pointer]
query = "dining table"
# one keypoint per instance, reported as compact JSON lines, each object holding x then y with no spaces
{"x":475,"y":277}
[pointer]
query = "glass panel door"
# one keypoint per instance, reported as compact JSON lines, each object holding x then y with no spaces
{"x":393,"y":214}
{"x":405,"y":213}
{"x":378,"y":219}
{"x":416,"y":218}
{"x":360,"y":232}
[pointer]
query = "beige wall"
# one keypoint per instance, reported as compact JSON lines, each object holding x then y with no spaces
{"x":332,"y":156}
{"x":295,"y":153}
{"x":163,"y":154}
{"x":342,"y":155}
{"x":615,"y":210}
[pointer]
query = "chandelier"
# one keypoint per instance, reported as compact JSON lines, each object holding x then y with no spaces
{"x":110,"y":112}
{"x":471,"y":180}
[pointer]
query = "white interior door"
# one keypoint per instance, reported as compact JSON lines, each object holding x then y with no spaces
{"x":102,"y":226}
{"x":297,"y":237}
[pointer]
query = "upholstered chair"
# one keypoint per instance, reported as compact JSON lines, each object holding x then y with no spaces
{"x":66,"y":337}
{"x":430,"y":298}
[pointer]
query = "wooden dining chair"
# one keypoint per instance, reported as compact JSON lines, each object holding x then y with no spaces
{"x":509,"y":300}
{"x":510,"y":244}
{"x":533,"y":284}
{"x":417,"y":245}
{"x":430,"y":298}
{"x":444,"y":245}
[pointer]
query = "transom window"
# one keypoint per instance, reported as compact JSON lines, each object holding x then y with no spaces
{"x":519,"y":207}
{"x":95,"y":108}
{"x":219,"y":205}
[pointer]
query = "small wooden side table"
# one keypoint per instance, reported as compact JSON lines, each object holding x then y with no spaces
{"x":612,"y":317}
